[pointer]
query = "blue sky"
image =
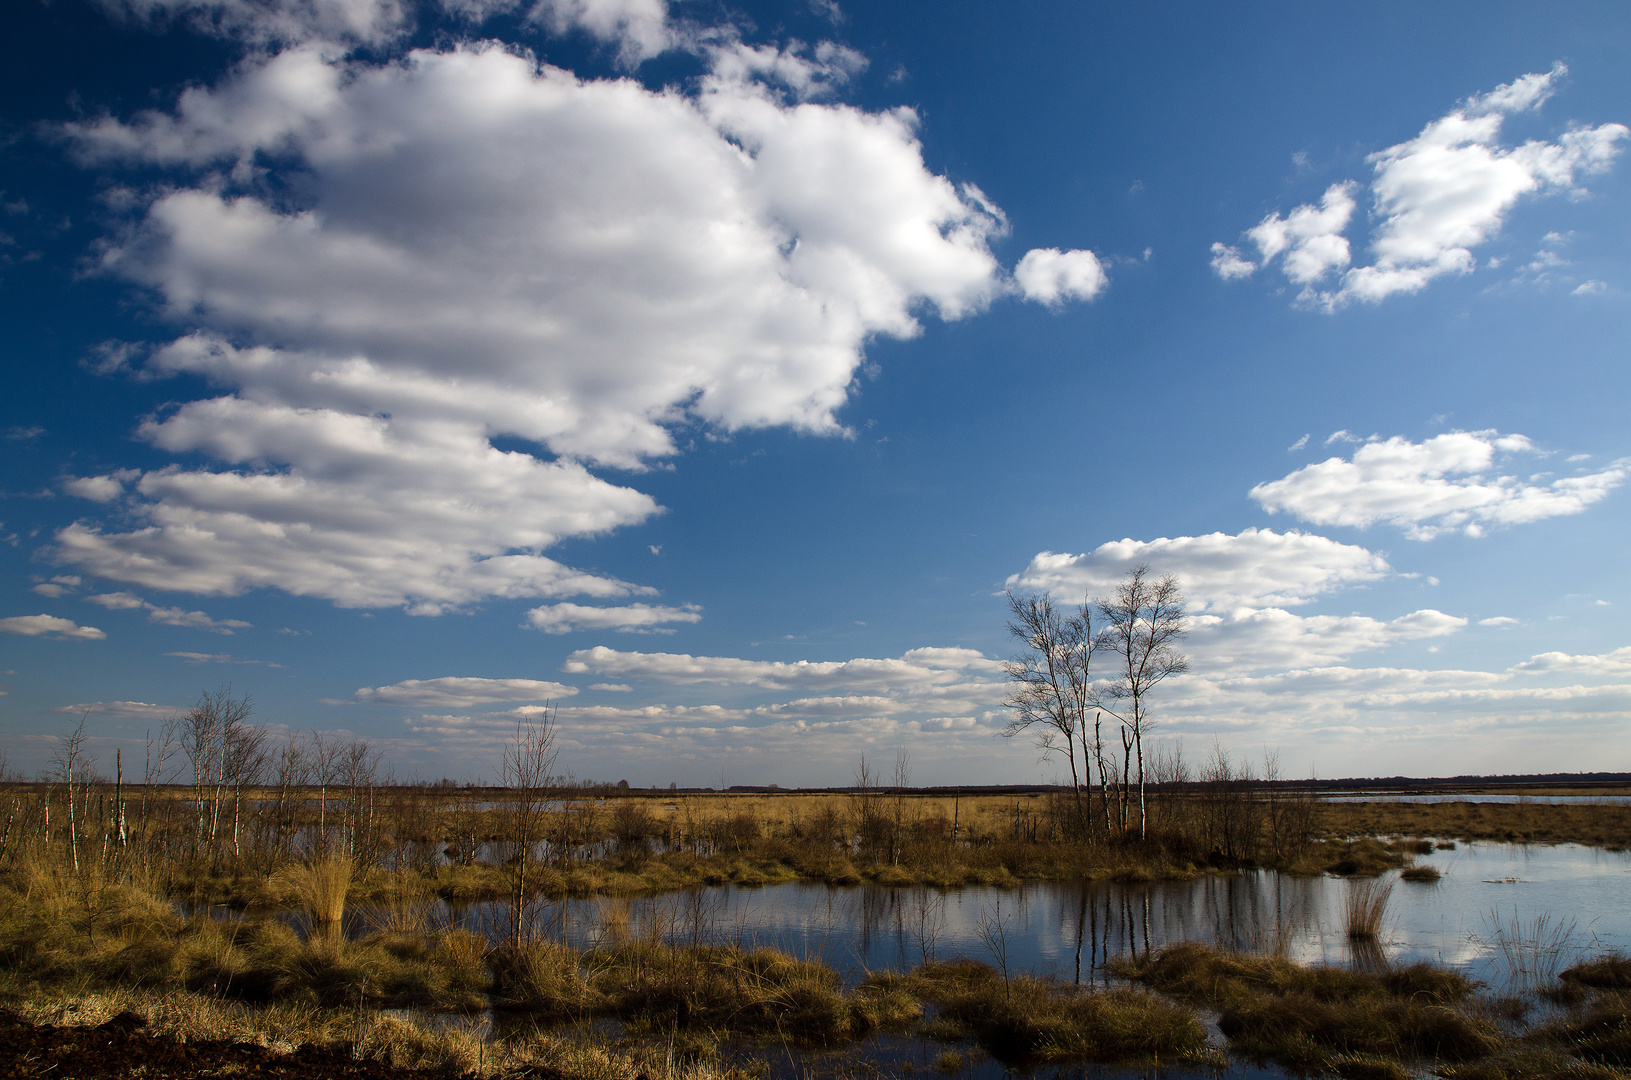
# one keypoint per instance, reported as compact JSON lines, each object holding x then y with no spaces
{"x":712,"y":370}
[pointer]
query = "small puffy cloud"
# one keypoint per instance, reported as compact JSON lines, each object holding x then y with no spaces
{"x":1229,"y":264}
{"x":118,"y":601}
{"x":167,"y":616}
{"x":49,"y":626}
{"x":1610,"y":664}
{"x":639,"y":28}
{"x":1441,"y":484}
{"x":133,"y":710}
{"x":916,"y":670}
{"x":612,"y":687}
{"x":1274,"y":638}
{"x":19,"y":433}
{"x":264,"y":22}
{"x":1590,"y":288}
{"x":1498,"y":620}
{"x":461,"y":693}
{"x":100,"y":488}
{"x":1256,"y":568}
{"x":195,"y":620}
{"x":1309,"y":237}
{"x":1434,"y":198}
{"x":1050,"y":276}
{"x":806,"y":73}
{"x":630,"y":618}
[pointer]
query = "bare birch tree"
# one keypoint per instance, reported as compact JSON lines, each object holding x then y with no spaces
{"x":527,"y":774}
{"x":1144,"y":622}
{"x":1053,"y":687}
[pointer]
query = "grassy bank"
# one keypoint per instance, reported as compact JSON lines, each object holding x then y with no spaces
{"x":1391,"y":1021}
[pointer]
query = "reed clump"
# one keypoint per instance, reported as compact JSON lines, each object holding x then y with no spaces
{"x":1421,"y":874}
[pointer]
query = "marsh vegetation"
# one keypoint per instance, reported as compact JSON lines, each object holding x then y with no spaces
{"x":342,"y":891}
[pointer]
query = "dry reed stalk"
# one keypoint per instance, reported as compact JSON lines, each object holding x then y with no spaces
{"x":1533,"y":952}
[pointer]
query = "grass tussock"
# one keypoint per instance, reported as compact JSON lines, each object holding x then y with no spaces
{"x":1421,"y":874}
{"x":1600,"y":1033}
{"x":541,"y":977}
{"x":725,"y":989}
{"x":1323,"y":1018}
{"x":1365,"y":908}
{"x":1606,"y":972}
{"x":322,"y":884}
{"x":1030,"y":1019}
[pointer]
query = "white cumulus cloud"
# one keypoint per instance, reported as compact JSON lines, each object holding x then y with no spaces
{"x":1444,"y":483}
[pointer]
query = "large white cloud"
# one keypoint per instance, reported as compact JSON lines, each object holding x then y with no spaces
{"x":1255,"y":568}
{"x":473,"y":245}
{"x":1435,"y":198}
{"x":1444,"y":483}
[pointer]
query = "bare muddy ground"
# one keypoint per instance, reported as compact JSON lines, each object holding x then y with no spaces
{"x":122,"y":1048}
